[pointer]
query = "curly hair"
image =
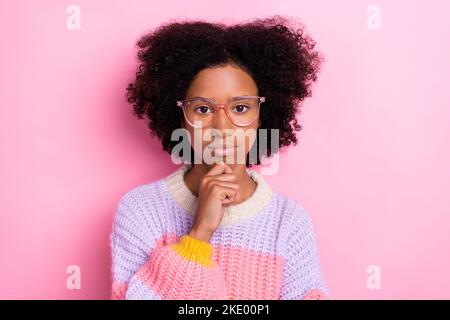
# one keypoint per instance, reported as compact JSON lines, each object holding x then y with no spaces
{"x":275,"y":52}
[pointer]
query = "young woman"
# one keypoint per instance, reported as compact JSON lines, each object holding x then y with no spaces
{"x":216,"y":229}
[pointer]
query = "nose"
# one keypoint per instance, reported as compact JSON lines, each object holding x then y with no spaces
{"x":223,"y":124}
{"x":221,"y":120}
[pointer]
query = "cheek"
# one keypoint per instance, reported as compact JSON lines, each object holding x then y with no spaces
{"x":249,"y":144}
{"x":197,"y":137}
{"x":251,"y":136}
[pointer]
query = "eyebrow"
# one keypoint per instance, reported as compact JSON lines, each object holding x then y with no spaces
{"x":212,"y":99}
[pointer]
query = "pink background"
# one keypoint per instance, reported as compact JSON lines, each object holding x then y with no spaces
{"x":372,"y":167}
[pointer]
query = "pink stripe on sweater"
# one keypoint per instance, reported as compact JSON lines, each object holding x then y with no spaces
{"x":118,"y":291}
{"x":315,"y":294}
{"x":250,"y":274}
{"x":161,"y":274}
{"x":247,"y":274}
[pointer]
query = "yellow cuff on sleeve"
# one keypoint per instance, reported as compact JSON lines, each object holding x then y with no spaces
{"x":194,"y":250}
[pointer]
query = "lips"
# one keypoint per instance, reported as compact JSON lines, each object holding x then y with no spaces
{"x":223,"y":151}
{"x":222,"y":146}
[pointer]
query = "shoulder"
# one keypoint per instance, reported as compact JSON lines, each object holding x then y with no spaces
{"x":291,"y":210}
{"x":295,"y":221}
{"x":140,"y":196}
{"x":140,"y":205}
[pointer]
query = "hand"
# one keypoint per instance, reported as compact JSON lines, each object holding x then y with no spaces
{"x":217,"y":189}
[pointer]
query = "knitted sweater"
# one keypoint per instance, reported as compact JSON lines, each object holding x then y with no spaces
{"x":264,"y":247}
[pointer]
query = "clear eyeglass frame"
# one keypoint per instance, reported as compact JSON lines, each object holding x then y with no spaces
{"x":226,"y":106}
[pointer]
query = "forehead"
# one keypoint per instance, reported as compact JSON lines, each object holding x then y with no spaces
{"x":222,"y":83}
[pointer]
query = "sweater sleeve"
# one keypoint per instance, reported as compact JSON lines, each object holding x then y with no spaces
{"x":303,"y":279}
{"x":181,"y":269}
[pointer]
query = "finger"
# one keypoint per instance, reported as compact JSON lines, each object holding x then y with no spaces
{"x":223,"y":192}
{"x":217,"y":169}
{"x":225,"y":184}
{"x":222,"y":177}
{"x":227,"y":193}
{"x":227,"y":201}
{"x":228,"y":169}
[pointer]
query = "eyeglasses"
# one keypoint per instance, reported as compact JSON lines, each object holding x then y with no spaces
{"x":242,"y":111}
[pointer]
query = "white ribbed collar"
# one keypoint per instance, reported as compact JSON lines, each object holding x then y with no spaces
{"x":233,"y":213}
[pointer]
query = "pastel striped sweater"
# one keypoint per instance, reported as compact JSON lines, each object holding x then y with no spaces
{"x":264,"y":247}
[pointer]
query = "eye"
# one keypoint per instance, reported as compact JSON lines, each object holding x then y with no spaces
{"x":202,"y":109}
{"x":241,"y":108}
